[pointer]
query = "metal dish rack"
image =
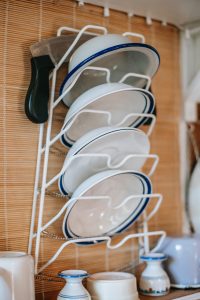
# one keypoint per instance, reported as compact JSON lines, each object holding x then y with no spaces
{"x":44,"y":150}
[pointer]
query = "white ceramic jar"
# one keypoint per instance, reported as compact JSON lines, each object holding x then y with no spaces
{"x":16,"y":276}
{"x":74,"y":288}
{"x":154,"y":280}
{"x":183,"y":262}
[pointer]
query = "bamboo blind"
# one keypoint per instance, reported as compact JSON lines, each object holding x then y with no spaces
{"x":23,"y":23}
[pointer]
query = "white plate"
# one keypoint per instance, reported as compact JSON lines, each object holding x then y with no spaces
{"x":194,"y":198}
{"x":92,"y":218}
{"x":117,"y":142}
{"x":115,"y":52}
{"x":118,"y":99}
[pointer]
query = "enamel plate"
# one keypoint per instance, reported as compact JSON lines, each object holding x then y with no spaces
{"x":118,"y":99}
{"x":118,"y":143}
{"x":106,"y":217}
{"x":194,"y":198}
{"x":114,"y":52}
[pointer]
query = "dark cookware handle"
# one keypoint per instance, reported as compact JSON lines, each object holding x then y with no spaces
{"x":36,"y":102}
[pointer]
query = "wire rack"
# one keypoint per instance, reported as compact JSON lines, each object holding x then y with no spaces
{"x":43,"y":162}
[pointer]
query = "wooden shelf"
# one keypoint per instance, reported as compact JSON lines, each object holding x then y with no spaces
{"x":172,"y":295}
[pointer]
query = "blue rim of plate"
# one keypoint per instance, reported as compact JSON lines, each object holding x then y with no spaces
{"x":60,"y":185}
{"x":149,"y":189}
{"x":60,"y":180}
{"x":109,"y":49}
{"x":149,"y":257}
{"x":66,"y":142}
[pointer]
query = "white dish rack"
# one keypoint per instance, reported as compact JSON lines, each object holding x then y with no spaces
{"x":43,"y":150}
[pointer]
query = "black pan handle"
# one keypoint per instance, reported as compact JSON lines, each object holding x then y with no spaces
{"x":36,"y":102}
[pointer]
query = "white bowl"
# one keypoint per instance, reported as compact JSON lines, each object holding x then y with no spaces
{"x":130,"y":297}
{"x":112,"y":285}
{"x":94,"y":45}
{"x":117,"y":54}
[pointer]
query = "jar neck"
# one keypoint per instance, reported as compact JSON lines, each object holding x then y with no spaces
{"x":154,"y":264}
{"x":73,"y":280}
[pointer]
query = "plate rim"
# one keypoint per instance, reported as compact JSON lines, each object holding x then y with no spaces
{"x":111,"y":130}
{"x":105,"y":131}
{"x":120,"y":88}
{"x":148,"y":108}
{"x":106,"y":51}
{"x":114,"y":232}
{"x":190,"y":204}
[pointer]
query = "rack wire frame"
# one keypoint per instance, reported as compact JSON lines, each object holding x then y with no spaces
{"x":45,"y":149}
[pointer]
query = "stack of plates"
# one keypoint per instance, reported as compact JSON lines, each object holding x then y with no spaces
{"x":101,"y":129}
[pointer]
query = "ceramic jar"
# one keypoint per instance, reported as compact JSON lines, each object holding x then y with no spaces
{"x":74,"y":288}
{"x":183,"y":262}
{"x":16,"y":276}
{"x":154,"y":280}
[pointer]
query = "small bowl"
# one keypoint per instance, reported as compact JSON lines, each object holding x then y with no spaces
{"x":130,"y":297}
{"x":112,"y":285}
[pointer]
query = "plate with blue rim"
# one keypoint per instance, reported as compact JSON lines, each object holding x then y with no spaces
{"x":115,"y":52}
{"x":117,"y":99}
{"x":87,"y":218}
{"x":118,"y":143}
